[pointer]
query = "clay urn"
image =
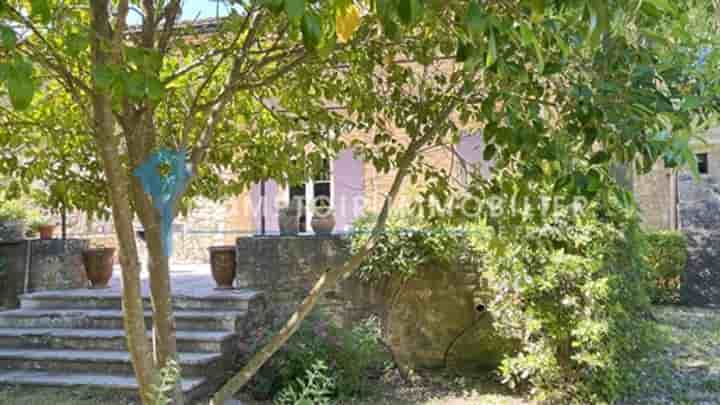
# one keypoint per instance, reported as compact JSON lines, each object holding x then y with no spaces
{"x":323,"y":221}
{"x":222,"y":264}
{"x":46,"y":231}
{"x":99,"y":266}
{"x":289,"y":220}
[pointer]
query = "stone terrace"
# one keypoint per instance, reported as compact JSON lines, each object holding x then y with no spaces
{"x":76,"y":337}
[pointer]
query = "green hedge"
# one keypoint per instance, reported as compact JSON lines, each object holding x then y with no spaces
{"x":666,"y":257}
{"x":570,"y":288}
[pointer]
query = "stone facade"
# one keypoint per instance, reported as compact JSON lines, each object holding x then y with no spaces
{"x":209,"y":224}
{"x":656,"y":194}
{"x":54,"y":265}
{"x":212,"y":223}
{"x":435,"y":319}
{"x":700,"y":222}
{"x":672,"y":200}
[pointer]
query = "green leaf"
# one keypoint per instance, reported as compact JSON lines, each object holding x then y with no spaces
{"x":20,"y":84}
{"x":492,"y":50}
{"x":40,"y":9}
{"x":390,"y":28}
{"x":475,"y":20}
{"x":135,"y":85}
{"x":538,"y":9}
{"x":295,"y":8}
{"x":464,"y":51}
{"x":599,"y":20}
{"x":662,"y":5}
{"x":8,"y":39}
{"x":75,"y":43}
{"x":311,"y":30}
{"x":691,"y":103}
{"x":155,"y":89}
{"x":104,"y":76}
{"x":409,"y":11}
{"x":276,"y":6}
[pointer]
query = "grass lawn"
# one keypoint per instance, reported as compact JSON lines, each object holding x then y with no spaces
{"x":685,"y":369}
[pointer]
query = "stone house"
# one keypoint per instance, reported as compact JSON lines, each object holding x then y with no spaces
{"x":352,"y":187}
{"x":671,"y":199}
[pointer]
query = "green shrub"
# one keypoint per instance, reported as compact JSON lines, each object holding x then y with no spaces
{"x":316,"y":387}
{"x":666,"y":256}
{"x":571,"y":288}
{"x":407,"y":243}
{"x":13,"y":210}
{"x":344,"y":356}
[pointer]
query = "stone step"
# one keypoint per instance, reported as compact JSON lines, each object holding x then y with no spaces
{"x":237,"y":300}
{"x":206,"y":365}
{"x":113,"y":319}
{"x":124,"y":384}
{"x":109,"y":339}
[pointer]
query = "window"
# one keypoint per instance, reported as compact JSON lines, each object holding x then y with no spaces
{"x":316,"y":191}
{"x":702,"y":161}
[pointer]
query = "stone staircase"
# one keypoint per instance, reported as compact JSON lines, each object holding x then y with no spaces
{"x":76,"y":338}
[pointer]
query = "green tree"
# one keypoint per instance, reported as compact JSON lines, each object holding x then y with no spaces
{"x":567,"y":87}
{"x":562,"y":94}
{"x":125,"y":81}
{"x":46,"y":152}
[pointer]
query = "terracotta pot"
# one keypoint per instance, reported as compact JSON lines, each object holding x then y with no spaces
{"x":46,"y":231}
{"x":323,"y":224}
{"x":222,"y":263}
{"x":289,"y":221}
{"x":12,"y":230}
{"x":99,"y":266}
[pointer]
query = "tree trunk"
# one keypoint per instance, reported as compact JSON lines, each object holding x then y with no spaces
{"x":328,"y":280}
{"x":164,"y":329}
{"x":109,"y":148}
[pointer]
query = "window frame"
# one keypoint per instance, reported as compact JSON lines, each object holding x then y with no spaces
{"x":310,"y":195}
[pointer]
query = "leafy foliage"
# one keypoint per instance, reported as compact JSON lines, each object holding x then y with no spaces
{"x":315,"y":387}
{"x":408,"y":243}
{"x":22,"y":210}
{"x":571,"y":288}
{"x":166,"y":380}
{"x":323,"y":361}
{"x":12,"y":210}
{"x":666,"y":256}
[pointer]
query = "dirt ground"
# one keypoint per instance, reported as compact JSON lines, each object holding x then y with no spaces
{"x":684,"y":370}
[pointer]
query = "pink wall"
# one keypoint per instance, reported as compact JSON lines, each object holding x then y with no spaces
{"x":471,"y":148}
{"x":348,"y":190}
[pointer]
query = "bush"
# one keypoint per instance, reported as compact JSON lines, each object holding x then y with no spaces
{"x":408,"y":242}
{"x":316,"y":387}
{"x":21,"y":210}
{"x":571,"y":288}
{"x":666,"y":257}
{"x":322,"y":361}
{"x":13,"y":210}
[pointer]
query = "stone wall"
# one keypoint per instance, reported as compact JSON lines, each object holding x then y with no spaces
{"x":54,"y":265}
{"x":700,"y":221}
{"x":435,"y":319}
{"x":655,"y":194}
{"x":205,"y":226}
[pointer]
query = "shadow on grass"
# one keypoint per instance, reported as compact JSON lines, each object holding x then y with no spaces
{"x":684,"y":366}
